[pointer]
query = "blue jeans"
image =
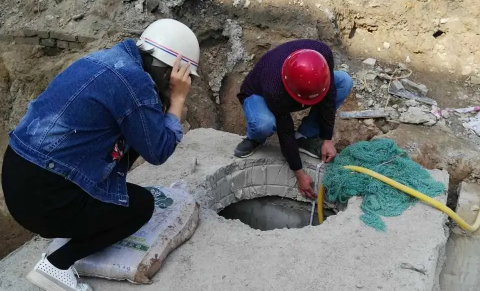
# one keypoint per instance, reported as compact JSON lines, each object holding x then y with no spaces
{"x":261,"y":121}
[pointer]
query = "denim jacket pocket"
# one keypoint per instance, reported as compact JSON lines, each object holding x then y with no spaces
{"x":51,"y":147}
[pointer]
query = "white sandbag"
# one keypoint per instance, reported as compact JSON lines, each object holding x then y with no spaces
{"x":139,"y":257}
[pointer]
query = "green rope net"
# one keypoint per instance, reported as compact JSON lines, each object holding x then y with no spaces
{"x":379,"y":199}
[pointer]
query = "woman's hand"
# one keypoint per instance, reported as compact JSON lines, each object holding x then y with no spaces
{"x":180,"y":80}
{"x":180,"y":83}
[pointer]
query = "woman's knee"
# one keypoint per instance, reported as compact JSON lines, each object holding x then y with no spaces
{"x":142,"y":202}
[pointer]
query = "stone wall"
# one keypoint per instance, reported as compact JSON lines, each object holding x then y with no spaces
{"x":53,"y":39}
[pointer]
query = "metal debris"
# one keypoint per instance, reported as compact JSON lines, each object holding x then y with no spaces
{"x":410,"y":95}
{"x":363,"y":114}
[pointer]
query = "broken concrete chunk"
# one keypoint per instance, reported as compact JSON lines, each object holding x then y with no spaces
{"x":445,"y":114}
{"x":370,"y":76}
{"x":370,"y":103}
{"x":78,"y":17}
{"x":139,"y":7}
{"x":415,"y":115}
{"x":369,"y":122}
{"x":370,"y":62}
{"x":415,"y":87}
{"x":411,"y":103}
{"x":152,"y":5}
{"x":397,"y":85}
{"x":475,"y":80}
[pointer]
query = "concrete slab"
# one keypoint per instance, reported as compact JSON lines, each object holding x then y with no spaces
{"x":462,"y":268}
{"x":341,"y":254}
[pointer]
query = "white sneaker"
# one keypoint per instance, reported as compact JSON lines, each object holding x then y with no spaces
{"x":50,"y":278}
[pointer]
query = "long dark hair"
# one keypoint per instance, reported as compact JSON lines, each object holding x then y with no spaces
{"x":161,"y":77}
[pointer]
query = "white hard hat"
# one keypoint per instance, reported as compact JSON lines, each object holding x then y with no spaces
{"x":166,"y":38}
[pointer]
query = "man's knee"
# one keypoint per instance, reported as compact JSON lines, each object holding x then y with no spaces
{"x":344,"y":85}
{"x":343,"y":81}
{"x":263,"y":126}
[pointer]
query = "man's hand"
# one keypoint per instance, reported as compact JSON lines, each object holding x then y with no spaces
{"x":305,"y":184}
{"x":328,"y":151}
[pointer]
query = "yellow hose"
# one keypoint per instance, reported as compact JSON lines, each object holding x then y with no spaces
{"x":411,"y":192}
{"x":320,"y":204}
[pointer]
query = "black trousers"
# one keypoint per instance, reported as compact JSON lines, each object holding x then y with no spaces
{"x":53,"y":207}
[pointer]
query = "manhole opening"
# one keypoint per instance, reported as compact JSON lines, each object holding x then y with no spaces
{"x":268,"y":213}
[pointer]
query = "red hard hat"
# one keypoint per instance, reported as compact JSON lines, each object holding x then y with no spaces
{"x":306,"y":76}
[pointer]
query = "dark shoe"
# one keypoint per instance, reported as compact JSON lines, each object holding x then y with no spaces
{"x":311,"y":147}
{"x":247,"y":147}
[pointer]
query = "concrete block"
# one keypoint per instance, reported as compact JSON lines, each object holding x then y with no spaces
{"x":43,"y":34}
{"x":258,"y":175}
{"x":227,"y":200}
{"x":62,"y":44}
{"x":278,"y":174}
{"x":28,"y":32}
{"x":370,"y":62}
{"x":276,"y":190}
{"x":468,"y":201}
{"x":49,"y":42}
{"x":6,"y":38}
{"x":462,"y":248}
{"x":27,"y":40}
{"x":75,"y":45}
{"x":223,"y":188}
{"x":63,"y":36}
{"x":238,"y":180}
{"x":85,"y":39}
{"x":351,"y":253}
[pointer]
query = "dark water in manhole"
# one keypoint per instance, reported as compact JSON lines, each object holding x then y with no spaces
{"x":267,"y":213}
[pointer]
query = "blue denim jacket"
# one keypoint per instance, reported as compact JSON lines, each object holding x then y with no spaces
{"x":73,"y":127}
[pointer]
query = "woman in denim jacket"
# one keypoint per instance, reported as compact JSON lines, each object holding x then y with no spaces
{"x":64,"y":172}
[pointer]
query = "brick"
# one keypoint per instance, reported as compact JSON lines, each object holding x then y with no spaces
{"x":75,"y":45}
{"x":6,"y":37}
{"x":275,"y":190}
{"x":28,"y":32}
{"x":238,"y":180}
{"x":62,"y":36}
{"x":48,"y":42}
{"x":62,"y":44}
{"x":85,"y":39}
{"x":27,"y":40}
{"x":258,"y":175}
{"x":43,"y":34}
{"x":278,"y":174}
